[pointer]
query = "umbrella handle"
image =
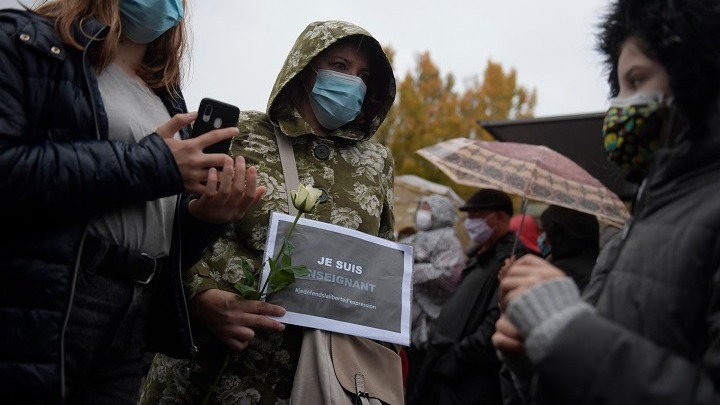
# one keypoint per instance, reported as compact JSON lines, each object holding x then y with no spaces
{"x":523,"y":209}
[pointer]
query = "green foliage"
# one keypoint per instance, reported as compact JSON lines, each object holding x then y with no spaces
{"x":282,"y":272}
{"x":428,"y":109}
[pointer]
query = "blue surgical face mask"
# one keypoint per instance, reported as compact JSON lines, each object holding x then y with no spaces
{"x":336,"y":98}
{"x":143,"y":21}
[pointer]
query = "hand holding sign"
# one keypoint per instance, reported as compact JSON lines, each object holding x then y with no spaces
{"x":357,"y":284}
{"x":282,"y":272}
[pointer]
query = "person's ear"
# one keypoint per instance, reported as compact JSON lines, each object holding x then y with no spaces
{"x":492,"y":220}
{"x":498,"y":218}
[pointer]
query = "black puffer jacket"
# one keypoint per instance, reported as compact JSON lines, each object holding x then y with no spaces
{"x":461,"y":366}
{"x":657,"y":291}
{"x":57,"y":170}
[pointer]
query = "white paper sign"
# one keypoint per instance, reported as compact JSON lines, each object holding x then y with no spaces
{"x":358,"y":284}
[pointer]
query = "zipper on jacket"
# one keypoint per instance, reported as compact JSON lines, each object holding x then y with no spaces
{"x":90,"y":88}
{"x":82,"y":240}
{"x":193,"y":348}
{"x":73,"y":284}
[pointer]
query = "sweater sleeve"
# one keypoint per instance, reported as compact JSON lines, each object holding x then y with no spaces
{"x":592,"y":354}
{"x":541,"y":312}
{"x":578,"y":355}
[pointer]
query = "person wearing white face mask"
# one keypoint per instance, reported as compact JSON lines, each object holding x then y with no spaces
{"x":486,"y":221}
{"x":438,"y":261}
{"x":423,"y":217}
{"x":461,"y":366}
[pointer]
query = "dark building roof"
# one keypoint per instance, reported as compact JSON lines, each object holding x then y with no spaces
{"x":579,"y":137}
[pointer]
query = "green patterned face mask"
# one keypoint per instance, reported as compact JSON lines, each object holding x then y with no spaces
{"x":632,"y":128}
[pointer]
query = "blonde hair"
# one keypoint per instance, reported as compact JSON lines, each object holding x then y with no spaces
{"x":161,"y":65}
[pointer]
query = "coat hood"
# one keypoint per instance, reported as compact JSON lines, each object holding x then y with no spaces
{"x":691,"y":151}
{"x":317,"y":37}
{"x":443,"y":211}
{"x":571,"y":233}
{"x":529,"y":232}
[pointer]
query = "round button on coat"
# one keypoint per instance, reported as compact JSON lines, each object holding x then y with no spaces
{"x":321,"y":151}
{"x":323,"y":197}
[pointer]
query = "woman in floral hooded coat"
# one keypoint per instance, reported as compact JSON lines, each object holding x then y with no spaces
{"x":355,"y":175}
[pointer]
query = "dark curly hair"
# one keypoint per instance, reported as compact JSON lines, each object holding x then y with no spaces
{"x":683,"y":35}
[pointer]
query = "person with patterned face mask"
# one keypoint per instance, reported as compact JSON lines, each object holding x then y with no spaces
{"x":332,"y":93}
{"x":458,"y":368}
{"x":111,"y":196}
{"x":646,"y":330}
{"x":633,"y":129}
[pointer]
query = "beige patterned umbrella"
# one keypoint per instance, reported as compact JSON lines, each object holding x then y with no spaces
{"x":530,"y":171}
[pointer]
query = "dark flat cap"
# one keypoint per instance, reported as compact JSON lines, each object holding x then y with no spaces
{"x":488,"y":199}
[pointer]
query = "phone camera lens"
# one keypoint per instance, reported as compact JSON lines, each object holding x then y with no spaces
{"x":207,"y":113}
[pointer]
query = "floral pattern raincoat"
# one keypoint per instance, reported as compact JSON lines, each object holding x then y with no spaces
{"x":357,"y":183}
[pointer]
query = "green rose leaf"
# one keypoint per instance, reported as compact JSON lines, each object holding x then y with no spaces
{"x":282,"y":273}
{"x":248,"y":292}
{"x":301,"y":270}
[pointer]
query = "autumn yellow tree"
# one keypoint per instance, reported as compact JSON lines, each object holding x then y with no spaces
{"x":428,"y":110}
{"x":498,"y":96}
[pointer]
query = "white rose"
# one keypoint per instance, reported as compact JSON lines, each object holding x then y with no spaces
{"x":305,"y":198}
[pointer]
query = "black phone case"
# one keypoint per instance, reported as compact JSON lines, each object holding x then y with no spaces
{"x":214,"y":114}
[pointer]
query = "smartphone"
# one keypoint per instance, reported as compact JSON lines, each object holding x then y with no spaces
{"x":214,"y":114}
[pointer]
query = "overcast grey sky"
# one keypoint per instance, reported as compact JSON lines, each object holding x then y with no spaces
{"x":239,"y":46}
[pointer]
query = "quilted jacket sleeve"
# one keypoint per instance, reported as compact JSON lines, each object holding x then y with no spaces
{"x":577,"y":362}
{"x":592,"y":354}
{"x":62,"y":174}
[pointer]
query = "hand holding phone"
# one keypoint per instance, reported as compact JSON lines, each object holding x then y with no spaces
{"x":214,"y":114}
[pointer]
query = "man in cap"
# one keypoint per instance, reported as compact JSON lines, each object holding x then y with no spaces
{"x":461,"y":366}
